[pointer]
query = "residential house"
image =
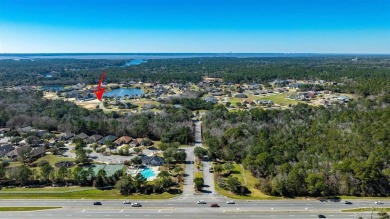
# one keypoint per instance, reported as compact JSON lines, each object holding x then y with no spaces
{"x":152,"y":160}
{"x":123,"y":140}
{"x":4,"y":130}
{"x":6,"y":149}
{"x":134,"y":143}
{"x":81,"y":136}
{"x":34,"y":151}
{"x":265,"y":102}
{"x":94,"y":138}
{"x":4,"y":140}
{"x":107,"y":138}
{"x":25,"y":129}
{"x":240,"y":95}
{"x":67,"y":136}
{"x":211,"y":100}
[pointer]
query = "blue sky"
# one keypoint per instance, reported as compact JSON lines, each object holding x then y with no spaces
{"x":292,"y":26}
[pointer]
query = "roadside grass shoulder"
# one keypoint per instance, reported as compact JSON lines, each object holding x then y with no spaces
{"x":27,"y":208}
{"x":366,"y":210}
{"x":85,"y":194}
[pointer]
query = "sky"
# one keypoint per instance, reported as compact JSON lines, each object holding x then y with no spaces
{"x":192,"y":26}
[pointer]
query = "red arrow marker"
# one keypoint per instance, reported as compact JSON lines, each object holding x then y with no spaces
{"x":100,"y":90}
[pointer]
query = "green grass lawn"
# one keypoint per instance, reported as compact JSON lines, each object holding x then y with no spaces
{"x":53,"y":159}
{"x":198,"y":174}
{"x":26,"y":208}
{"x":91,"y":193}
{"x":277,"y":98}
{"x":366,"y":210}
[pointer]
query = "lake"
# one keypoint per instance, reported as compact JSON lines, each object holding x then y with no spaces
{"x":134,"y":62}
{"x":120,"y":92}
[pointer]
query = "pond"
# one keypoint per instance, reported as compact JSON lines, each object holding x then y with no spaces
{"x":121,"y":92}
{"x":134,"y":62}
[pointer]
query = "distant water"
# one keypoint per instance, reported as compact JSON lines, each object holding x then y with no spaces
{"x":121,"y":92}
{"x":145,"y":56}
{"x":135,"y":62}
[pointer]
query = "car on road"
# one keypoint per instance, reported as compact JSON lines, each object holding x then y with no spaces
{"x":379,"y":203}
{"x":230,"y":202}
{"x":97,"y":203}
{"x":136,"y":204}
{"x":214,"y":205}
{"x":126,"y":202}
{"x":202,"y":202}
{"x":347,"y":202}
{"x":321,"y":216}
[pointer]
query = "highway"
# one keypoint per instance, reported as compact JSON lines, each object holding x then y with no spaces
{"x":186,"y":207}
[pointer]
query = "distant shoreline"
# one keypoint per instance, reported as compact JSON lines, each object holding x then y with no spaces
{"x":18,"y":56}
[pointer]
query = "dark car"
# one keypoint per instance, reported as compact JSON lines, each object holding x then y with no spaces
{"x":348,"y":203}
{"x":321,"y":216}
{"x":97,"y":203}
{"x":214,"y":205}
{"x":136,"y":204}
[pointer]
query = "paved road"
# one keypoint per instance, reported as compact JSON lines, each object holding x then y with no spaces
{"x":181,"y":207}
{"x":188,"y":188}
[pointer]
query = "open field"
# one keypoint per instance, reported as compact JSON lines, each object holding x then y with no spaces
{"x":53,"y":159}
{"x":26,"y":208}
{"x":251,"y":181}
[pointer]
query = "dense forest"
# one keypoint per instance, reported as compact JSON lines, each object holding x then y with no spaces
{"x":367,"y":76}
{"x":19,"y":109}
{"x":343,"y":149}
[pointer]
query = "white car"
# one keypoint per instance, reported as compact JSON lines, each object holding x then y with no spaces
{"x":201,"y":202}
{"x":230,"y":202}
{"x":379,"y":203}
{"x":126,"y":202}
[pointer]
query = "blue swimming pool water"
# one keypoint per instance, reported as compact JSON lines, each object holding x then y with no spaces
{"x":147,"y":173}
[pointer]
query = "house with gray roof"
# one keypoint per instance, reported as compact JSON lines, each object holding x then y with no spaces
{"x":152,"y":160}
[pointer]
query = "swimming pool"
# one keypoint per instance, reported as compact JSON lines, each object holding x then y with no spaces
{"x":147,"y":173}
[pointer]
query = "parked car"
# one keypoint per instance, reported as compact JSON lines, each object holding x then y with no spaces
{"x":97,"y":203}
{"x":201,"y":202}
{"x":126,"y":202}
{"x":347,"y":202}
{"x":230,"y":202}
{"x":214,"y":205}
{"x":135,"y":204}
{"x":379,"y":203}
{"x":321,"y":216}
